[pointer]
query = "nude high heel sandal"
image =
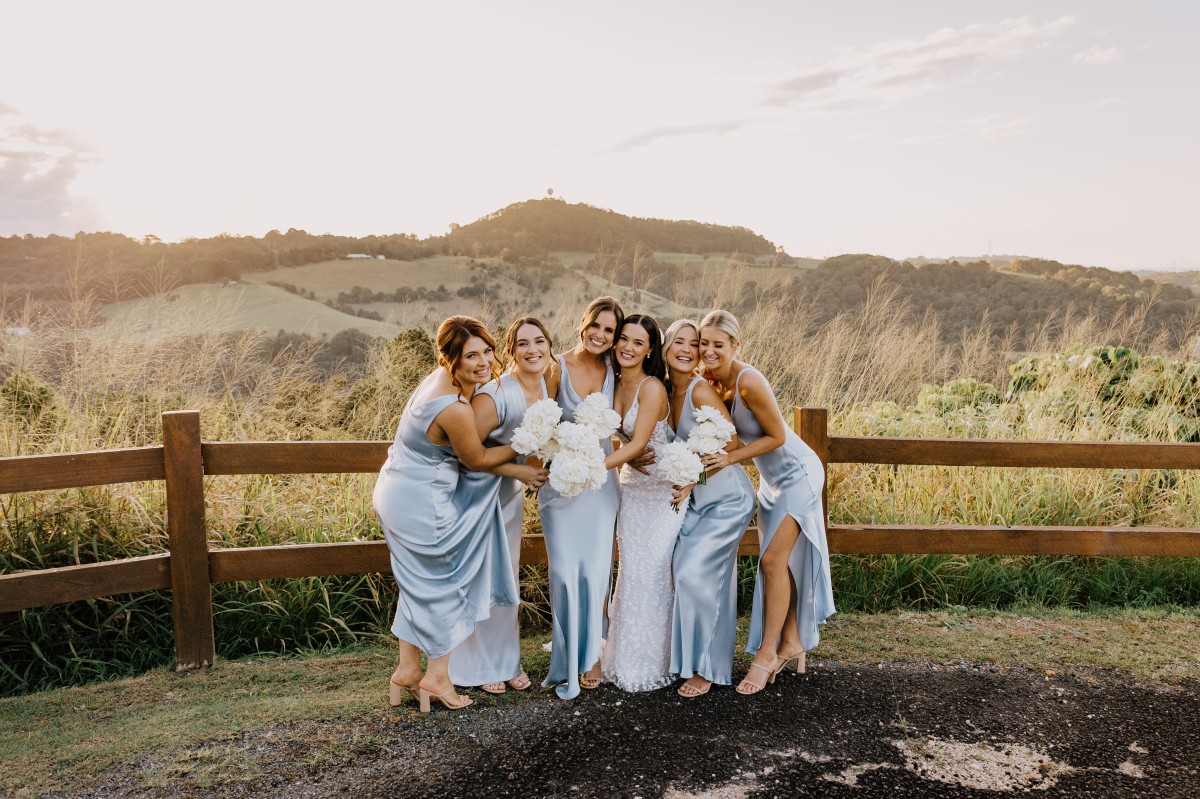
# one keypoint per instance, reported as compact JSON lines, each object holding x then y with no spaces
{"x":424,"y":696}
{"x":396,"y":693}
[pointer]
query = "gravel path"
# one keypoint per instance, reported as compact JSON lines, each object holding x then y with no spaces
{"x":838,"y":731}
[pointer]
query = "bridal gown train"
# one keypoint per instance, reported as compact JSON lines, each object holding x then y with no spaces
{"x":637,"y":654}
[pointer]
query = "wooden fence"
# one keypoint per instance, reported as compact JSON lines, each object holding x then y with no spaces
{"x":190,"y":567}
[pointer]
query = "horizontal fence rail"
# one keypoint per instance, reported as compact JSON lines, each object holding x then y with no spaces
{"x":191,"y":566}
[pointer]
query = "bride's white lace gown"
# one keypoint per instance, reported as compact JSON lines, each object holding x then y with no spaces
{"x":637,"y":654}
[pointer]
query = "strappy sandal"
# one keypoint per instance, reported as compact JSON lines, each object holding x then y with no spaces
{"x":520,"y":682}
{"x":424,"y":695}
{"x":690,"y":690}
{"x":589,"y":682}
{"x":493,"y":687}
{"x":753,"y":687}
{"x":798,"y":659}
{"x":397,"y":691}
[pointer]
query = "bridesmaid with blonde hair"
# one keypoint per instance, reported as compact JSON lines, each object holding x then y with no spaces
{"x":704,"y":614}
{"x":793,"y":593}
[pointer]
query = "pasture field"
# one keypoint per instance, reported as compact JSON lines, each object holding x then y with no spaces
{"x":201,"y":309}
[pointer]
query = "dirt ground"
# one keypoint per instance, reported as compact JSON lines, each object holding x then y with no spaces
{"x":839,"y":731}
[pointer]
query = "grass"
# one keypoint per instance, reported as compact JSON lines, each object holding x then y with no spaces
{"x":163,"y":725}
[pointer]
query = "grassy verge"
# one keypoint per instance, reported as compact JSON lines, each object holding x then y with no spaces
{"x":162,"y":724}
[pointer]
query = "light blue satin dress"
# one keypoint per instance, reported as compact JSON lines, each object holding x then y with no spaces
{"x":790,"y":482}
{"x":579,"y":535}
{"x":446,"y":538}
{"x":493,"y":652}
{"x":704,"y":616}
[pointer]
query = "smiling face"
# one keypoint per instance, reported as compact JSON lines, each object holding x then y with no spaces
{"x":599,"y":334}
{"x":633,"y":346}
{"x":476,"y":362}
{"x":530,"y":352}
{"x":683,"y":350}
{"x":716,"y":348}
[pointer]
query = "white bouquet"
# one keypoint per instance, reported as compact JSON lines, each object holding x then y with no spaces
{"x":596,"y":413}
{"x":678,"y":465}
{"x":710,"y":435}
{"x":535,"y":436}
{"x":578,"y":464}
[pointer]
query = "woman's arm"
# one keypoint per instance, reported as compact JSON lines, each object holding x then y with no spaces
{"x":651,"y":399}
{"x":757,"y":395}
{"x":457,"y":422}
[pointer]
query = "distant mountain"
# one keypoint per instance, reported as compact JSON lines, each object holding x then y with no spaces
{"x":535,"y":228}
{"x":118,"y":267}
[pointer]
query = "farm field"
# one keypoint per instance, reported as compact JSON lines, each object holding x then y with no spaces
{"x":202,"y":309}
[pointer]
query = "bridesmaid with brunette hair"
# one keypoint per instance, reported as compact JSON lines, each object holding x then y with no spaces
{"x":579,"y":530}
{"x":491,"y":657}
{"x":704,"y":614}
{"x":445,"y":535}
{"x":792,"y":593}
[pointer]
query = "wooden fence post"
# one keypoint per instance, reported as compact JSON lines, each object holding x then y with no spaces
{"x":195,"y":644}
{"x":812,"y":425}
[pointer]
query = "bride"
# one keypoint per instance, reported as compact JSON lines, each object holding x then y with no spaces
{"x":637,"y":653}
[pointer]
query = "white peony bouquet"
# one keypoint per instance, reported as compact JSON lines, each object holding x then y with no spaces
{"x":535,"y":436}
{"x":579,"y":463}
{"x":678,"y":465}
{"x":597,"y":414}
{"x":711,"y":433}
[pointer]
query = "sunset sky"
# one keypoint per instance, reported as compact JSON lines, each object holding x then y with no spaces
{"x":1052,"y":129}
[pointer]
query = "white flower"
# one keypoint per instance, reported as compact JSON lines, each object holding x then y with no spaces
{"x":536,"y":432}
{"x":677,"y":463}
{"x":596,"y":412}
{"x":572,"y":436}
{"x":576,"y":470}
{"x":524,"y":442}
{"x":711,"y":433}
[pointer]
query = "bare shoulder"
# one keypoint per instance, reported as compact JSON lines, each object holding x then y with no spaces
{"x":705,"y":394}
{"x":653,"y":389}
{"x":752,"y":383}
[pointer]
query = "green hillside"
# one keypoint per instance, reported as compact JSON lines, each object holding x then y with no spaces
{"x":197,"y":310}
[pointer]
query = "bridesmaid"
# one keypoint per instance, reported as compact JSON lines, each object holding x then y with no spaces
{"x":704,"y":616}
{"x":793,"y":593}
{"x":447,"y":545}
{"x":491,"y":656}
{"x":579,"y":530}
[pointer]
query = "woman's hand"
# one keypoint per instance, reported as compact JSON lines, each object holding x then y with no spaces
{"x":641,"y":462}
{"x":533,"y":476}
{"x":680,"y":497}
{"x":718,"y":460}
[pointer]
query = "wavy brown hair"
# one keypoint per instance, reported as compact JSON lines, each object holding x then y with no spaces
{"x":452,"y":337}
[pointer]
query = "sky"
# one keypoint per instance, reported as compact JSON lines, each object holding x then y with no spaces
{"x":1063,"y":130}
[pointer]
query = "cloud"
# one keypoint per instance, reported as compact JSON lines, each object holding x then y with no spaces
{"x":37,"y":170}
{"x":1096,"y":56}
{"x":995,"y":126}
{"x":894,"y":70}
{"x":671,"y":131}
